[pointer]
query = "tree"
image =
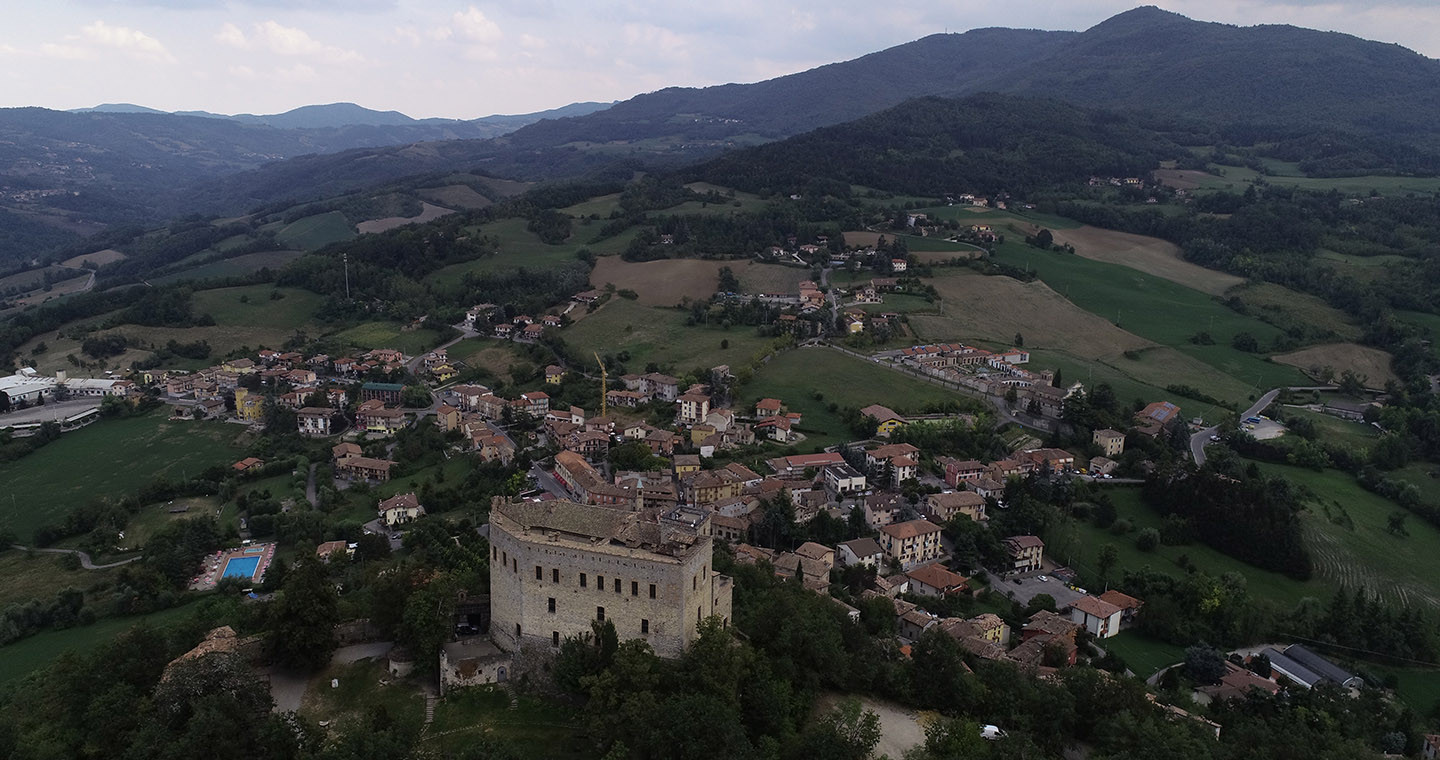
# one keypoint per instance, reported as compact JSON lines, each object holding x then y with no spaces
{"x":1109,"y":555}
{"x":1040,"y":602}
{"x":1019,"y":340}
{"x":848,"y":732}
{"x":304,"y":615}
{"x":1204,"y":664}
{"x":415,"y":397}
{"x":1148,"y":539}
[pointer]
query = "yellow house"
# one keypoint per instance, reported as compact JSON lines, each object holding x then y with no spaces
{"x":444,"y":372}
{"x":886,"y":419}
{"x":686,"y":463}
{"x":249,"y":407}
{"x":554,"y":374}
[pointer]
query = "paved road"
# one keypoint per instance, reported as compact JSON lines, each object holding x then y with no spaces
{"x":377,"y":526}
{"x":465,"y":332}
{"x":84,"y":558}
{"x":51,"y":411}
{"x":1198,"y":440}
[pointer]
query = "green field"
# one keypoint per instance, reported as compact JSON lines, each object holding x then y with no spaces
{"x":233,"y":267}
{"x":1077,"y":544}
{"x":35,"y":652}
{"x":109,"y":459}
{"x":652,"y":334}
{"x":1356,"y":435}
{"x":520,"y":247}
{"x":1286,"y":308}
{"x":315,"y":232}
{"x":1418,"y":687}
{"x":1142,"y":654}
{"x":794,"y":377}
{"x":1159,"y":310}
{"x":1346,"y":532}
{"x":252,"y":306}
{"x":40,"y":575}
{"x":1124,"y":376}
{"x":371,"y":335}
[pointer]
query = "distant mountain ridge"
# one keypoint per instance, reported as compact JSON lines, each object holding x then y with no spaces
{"x":336,"y":115}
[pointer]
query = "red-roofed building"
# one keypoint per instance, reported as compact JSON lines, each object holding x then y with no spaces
{"x":911,"y":543}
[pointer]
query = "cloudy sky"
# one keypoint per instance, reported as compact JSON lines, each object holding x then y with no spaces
{"x":469,"y":58}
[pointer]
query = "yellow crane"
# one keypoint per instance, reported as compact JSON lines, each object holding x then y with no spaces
{"x":603,"y":378}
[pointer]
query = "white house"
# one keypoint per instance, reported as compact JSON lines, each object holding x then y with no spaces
{"x":1100,"y":618}
{"x":860,"y":551}
{"x":844,"y":479}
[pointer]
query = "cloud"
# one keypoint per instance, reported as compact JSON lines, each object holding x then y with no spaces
{"x":297,"y":73}
{"x":97,"y":37}
{"x":469,"y":25}
{"x":285,"y":40}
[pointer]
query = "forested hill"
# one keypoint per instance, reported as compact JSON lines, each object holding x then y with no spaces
{"x":932,"y":146}
{"x":939,"y":64}
{"x":1297,"y":79}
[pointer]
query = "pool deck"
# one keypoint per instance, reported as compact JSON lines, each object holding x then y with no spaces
{"x":213,"y":566}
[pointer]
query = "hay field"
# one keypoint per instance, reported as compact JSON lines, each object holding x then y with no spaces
{"x":455,"y":196}
{"x":666,"y":281}
{"x":98,"y":258}
{"x":976,"y":307}
{"x":1146,"y":254}
{"x":429,"y":212}
{"x":1372,"y":363}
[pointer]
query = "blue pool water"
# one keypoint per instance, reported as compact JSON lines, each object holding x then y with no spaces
{"x":240,"y":567}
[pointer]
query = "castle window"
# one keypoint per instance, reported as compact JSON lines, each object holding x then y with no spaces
{"x":617,"y":585}
{"x":539,"y":574}
{"x":600,"y":583}
{"x":652,"y":591}
{"x":582,"y":580}
{"x":600,"y":614}
{"x":552,"y":604}
{"x":555,"y":575}
{"x":634,"y":588}
{"x":554,"y":638}
{"x":644,"y":626}
{"x":517,"y":630}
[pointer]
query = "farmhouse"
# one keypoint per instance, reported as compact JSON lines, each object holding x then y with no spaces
{"x":364,"y":468}
{"x":860,"y":551}
{"x":401,"y":509}
{"x":1100,"y":618}
{"x":1111,"y":442}
{"x":942,"y":507}
{"x":935,"y":580}
{"x":559,"y":566}
{"x":1025,"y":552}
{"x":886,"y":419}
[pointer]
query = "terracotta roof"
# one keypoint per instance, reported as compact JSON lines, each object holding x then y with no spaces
{"x":1121,"y":600}
{"x":1094,"y":607}
{"x":936,"y":576}
{"x":400,"y":501}
{"x":911,"y":529}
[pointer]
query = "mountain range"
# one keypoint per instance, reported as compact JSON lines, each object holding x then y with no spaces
{"x":337,"y":115}
{"x":1242,"y":84}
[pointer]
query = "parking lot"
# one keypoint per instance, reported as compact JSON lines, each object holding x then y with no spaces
{"x":1030,"y":585}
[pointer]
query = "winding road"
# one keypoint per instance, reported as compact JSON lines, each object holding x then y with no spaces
{"x":1198,"y":440}
{"x":84,"y":558}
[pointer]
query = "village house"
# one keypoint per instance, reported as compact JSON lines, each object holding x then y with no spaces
{"x":1099,"y":617}
{"x":1058,"y":460}
{"x":314,"y":420}
{"x":1128,"y":605}
{"x":886,"y":419}
{"x":860,"y":551}
{"x":386,"y":393}
{"x":531,"y":333}
{"x":364,"y":468}
{"x":1157,"y":417}
{"x":767,"y":407}
{"x":249,"y":407}
{"x":554,"y":374}
{"x":692,"y":408}
{"x":504,"y":330}
{"x":844,"y":480}
{"x":1025,"y":552}
{"x":911,"y":543}
{"x":373,"y":417}
{"x":883,"y":508}
{"x":898,"y":461}
{"x":710,"y":486}
{"x":1111,"y":442}
{"x":942,"y":507}
{"x":796,"y":465}
{"x":958,"y":472}
{"x":401,"y":509}
{"x":447,"y":418}
{"x":585,"y":483}
{"x":936,"y":580}
{"x":778,"y":429}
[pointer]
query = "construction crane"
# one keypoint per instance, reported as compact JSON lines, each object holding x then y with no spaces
{"x":603,"y":378}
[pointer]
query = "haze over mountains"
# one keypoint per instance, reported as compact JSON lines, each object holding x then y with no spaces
{"x":1271,"y":82}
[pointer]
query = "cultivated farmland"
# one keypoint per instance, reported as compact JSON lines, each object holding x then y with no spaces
{"x":1147,"y":254}
{"x":429,"y":212}
{"x":652,"y":334}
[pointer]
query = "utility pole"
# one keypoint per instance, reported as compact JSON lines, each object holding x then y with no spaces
{"x":345,"y":257}
{"x":603,"y":378}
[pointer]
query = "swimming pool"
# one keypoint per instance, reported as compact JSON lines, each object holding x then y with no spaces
{"x":240,"y":567}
